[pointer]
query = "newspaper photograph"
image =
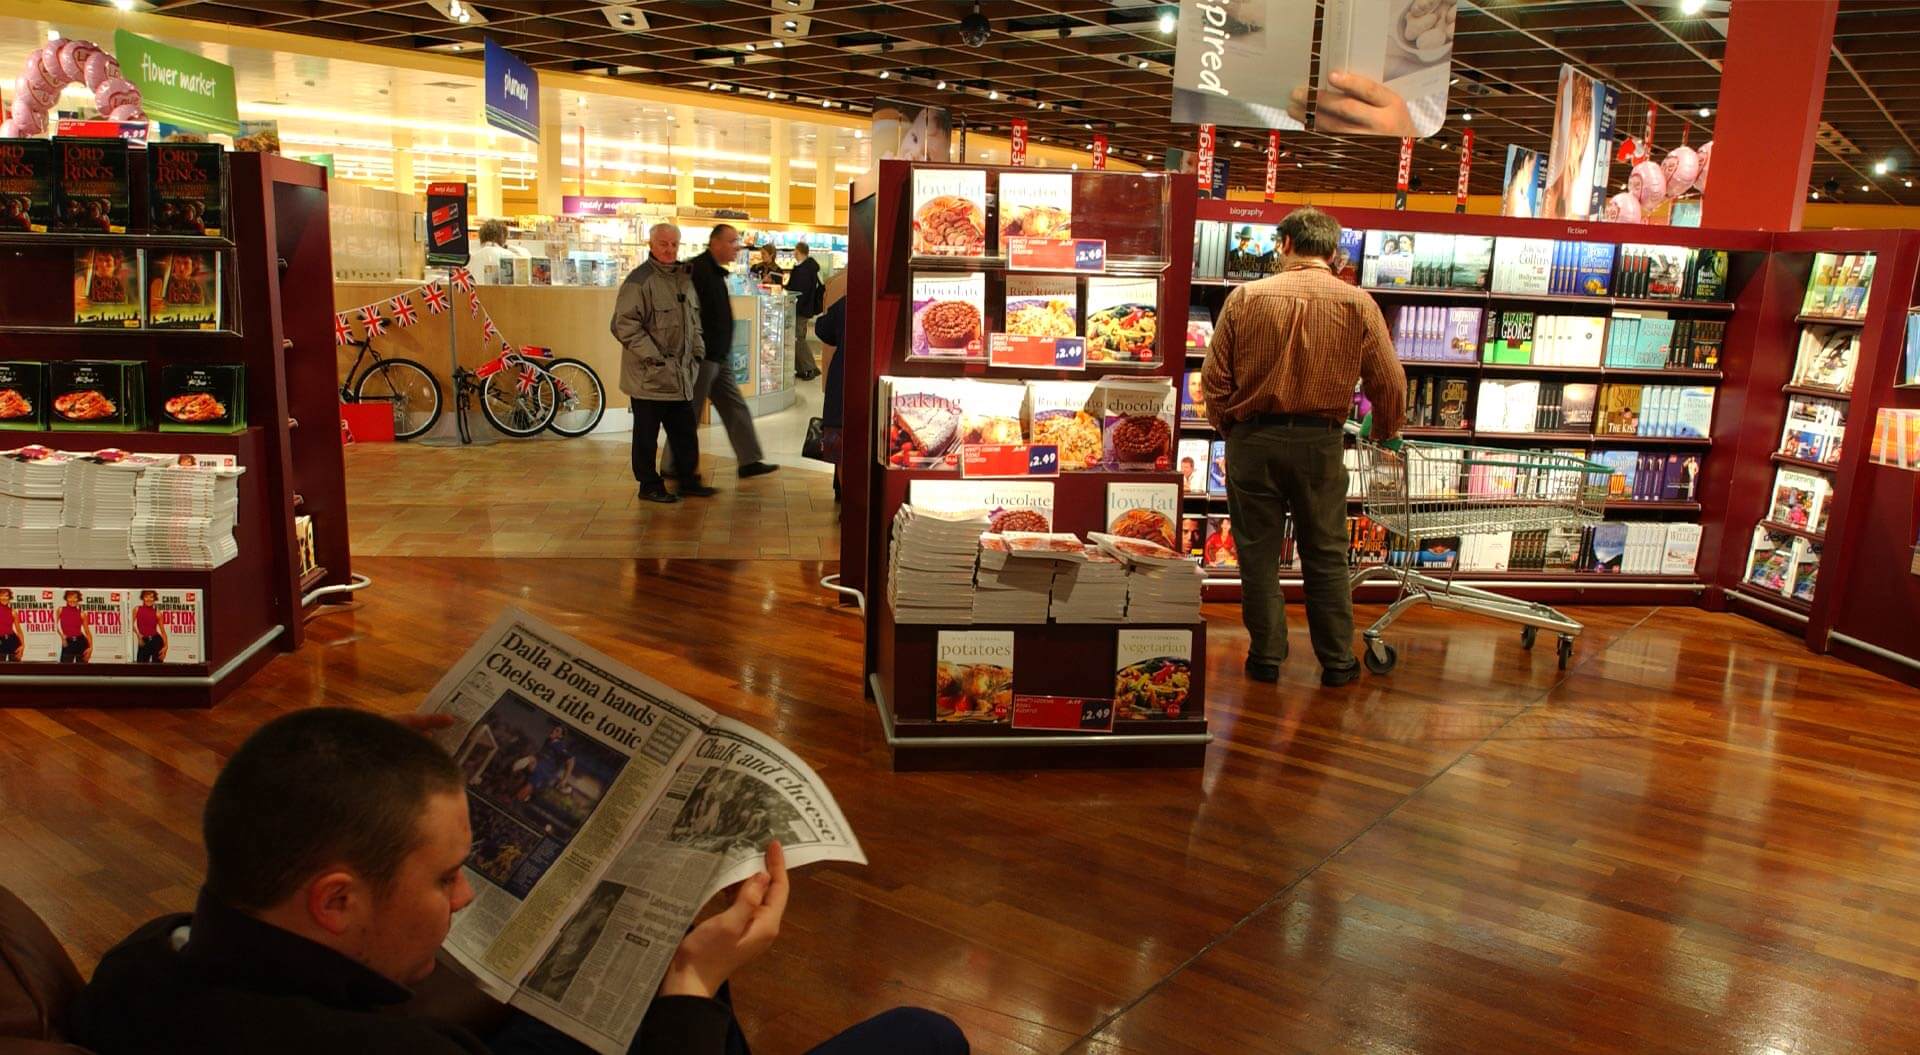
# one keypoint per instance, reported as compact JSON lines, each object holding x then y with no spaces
{"x":607,"y":809}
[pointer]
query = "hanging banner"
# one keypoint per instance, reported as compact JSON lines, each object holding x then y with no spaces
{"x":1273,"y":162}
{"x":1583,"y":118}
{"x":1525,"y":180}
{"x":1404,"y":174}
{"x":178,"y":86}
{"x":513,"y":93}
{"x":1017,"y":136}
{"x":1218,"y":188}
{"x":446,"y":224}
{"x":1099,"y":151}
{"x":1466,"y":169}
{"x":1385,"y":67}
{"x":1204,"y":166}
{"x":1241,"y":62}
{"x":912,"y":131}
{"x":1646,"y":142}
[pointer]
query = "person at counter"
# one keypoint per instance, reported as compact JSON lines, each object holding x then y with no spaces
{"x":766,"y":269}
{"x":804,"y":283}
{"x":716,"y":382}
{"x":485,"y":261}
{"x":656,"y":319}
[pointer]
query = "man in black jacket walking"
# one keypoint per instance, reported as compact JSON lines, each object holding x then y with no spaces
{"x":715,"y":383}
{"x":804,"y":283}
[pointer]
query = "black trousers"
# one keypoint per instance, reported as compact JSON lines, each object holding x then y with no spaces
{"x":150,"y":648}
{"x":9,"y":644}
{"x":1273,"y":470}
{"x":683,"y":439}
{"x":73,"y":650}
{"x":902,"y":1031}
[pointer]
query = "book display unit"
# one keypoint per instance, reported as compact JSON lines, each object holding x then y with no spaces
{"x":1010,"y":307}
{"x":193,"y":322}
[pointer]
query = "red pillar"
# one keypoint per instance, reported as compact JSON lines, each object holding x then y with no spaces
{"x":1771,"y":88}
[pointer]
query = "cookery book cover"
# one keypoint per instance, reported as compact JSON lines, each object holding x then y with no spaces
{"x":1066,"y":414}
{"x":992,"y":411}
{"x":923,"y":427}
{"x":1770,"y":560}
{"x":36,"y":623}
{"x":183,"y":289}
{"x":949,"y":212}
{"x":1193,"y":466}
{"x":203,"y":398}
{"x":1042,"y":306}
{"x":186,"y":188}
{"x":106,"y":287}
{"x":1797,"y":496}
{"x":1806,"y":569}
{"x":91,"y":192}
{"x":1144,"y":511}
{"x":973,"y":676}
{"x":1138,"y":422}
{"x":948,"y":312}
{"x":102,"y":395}
{"x":1035,"y":205}
{"x":1121,"y":321}
{"x":23,"y":396}
{"x":165,"y":625}
{"x":1152,"y":672}
{"x":27,"y":184}
{"x":1010,"y":505}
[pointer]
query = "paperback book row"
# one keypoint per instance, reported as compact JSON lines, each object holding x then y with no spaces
{"x":1608,"y":547}
{"x":113,"y":509}
{"x":130,"y":623}
{"x":1114,"y":424}
{"x":1118,"y":317}
{"x":1671,"y":411}
{"x":1838,"y":286}
{"x":975,"y":682}
{"x":1783,"y":563}
{"x":1640,"y":340}
{"x":74,"y":183}
{"x":122,"y":288}
{"x":1651,"y":476}
{"x":110,"y":395}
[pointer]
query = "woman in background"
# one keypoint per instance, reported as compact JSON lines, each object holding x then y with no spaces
{"x":766,"y":269}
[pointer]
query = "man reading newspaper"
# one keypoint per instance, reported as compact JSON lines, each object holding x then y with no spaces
{"x":556,"y":845}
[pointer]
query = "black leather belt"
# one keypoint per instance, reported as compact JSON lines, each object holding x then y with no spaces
{"x":1303,"y":421}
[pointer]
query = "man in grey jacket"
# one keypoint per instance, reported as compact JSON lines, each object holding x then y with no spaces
{"x":657,"y":321}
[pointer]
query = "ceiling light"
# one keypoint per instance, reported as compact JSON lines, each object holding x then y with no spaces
{"x":884,"y":74}
{"x":779,"y":43}
{"x":940,"y":87}
{"x":1906,"y":183}
{"x":625,"y":18}
{"x":858,"y":134}
{"x":1692,"y":7}
{"x":1879,"y":168}
{"x":790,"y":25}
{"x":712,"y":87}
{"x":753,"y":47}
{"x":994,"y":94}
{"x":124,"y":5}
{"x":826,"y":104}
{"x":1143,"y":64}
{"x":1466,"y":116}
{"x":459,"y":47}
{"x":771,"y":94}
{"x":1237,"y":144}
{"x":1865,"y":187}
{"x":1816,"y":195}
{"x":1089,"y":126}
{"x":1706,"y":111}
{"x":1167,"y":22}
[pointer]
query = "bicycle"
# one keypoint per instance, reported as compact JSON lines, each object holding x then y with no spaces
{"x":541,"y":392}
{"x":408,"y":386}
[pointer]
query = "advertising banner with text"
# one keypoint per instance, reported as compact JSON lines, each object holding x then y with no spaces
{"x":1243,"y":63}
{"x":513,"y":93}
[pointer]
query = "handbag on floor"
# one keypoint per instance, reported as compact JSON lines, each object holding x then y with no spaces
{"x":823,"y":443}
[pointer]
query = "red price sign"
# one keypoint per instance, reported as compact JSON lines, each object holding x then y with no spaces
{"x":1466,"y":169}
{"x":1076,"y":714}
{"x":1205,"y":169}
{"x":1099,"y":151}
{"x":1273,"y":161}
{"x":1036,"y":353}
{"x":1039,"y":254}
{"x":1019,"y":137}
{"x":990,"y":460}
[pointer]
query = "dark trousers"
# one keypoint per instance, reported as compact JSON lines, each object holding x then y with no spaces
{"x":902,"y":1031}
{"x":1273,"y":470}
{"x":150,"y":649}
{"x":9,"y":648}
{"x":683,"y":439}
{"x":73,"y":650}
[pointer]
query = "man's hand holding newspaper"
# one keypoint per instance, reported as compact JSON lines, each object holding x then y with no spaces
{"x":726,"y":942}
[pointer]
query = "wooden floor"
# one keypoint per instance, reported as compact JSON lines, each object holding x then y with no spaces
{"x":1701,"y":839}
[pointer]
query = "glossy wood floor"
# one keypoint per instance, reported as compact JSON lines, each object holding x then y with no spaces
{"x":1700,"y":839}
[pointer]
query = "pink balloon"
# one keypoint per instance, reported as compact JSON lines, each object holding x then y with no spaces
{"x":1623,"y":208}
{"x":1682,"y":167}
{"x":128,"y":112}
{"x":7,"y":130}
{"x":73,"y":58}
{"x":114,"y":93}
{"x":52,"y":67}
{"x":1706,"y":159}
{"x":100,"y":69}
{"x":42,"y":99}
{"x":1647,"y":183}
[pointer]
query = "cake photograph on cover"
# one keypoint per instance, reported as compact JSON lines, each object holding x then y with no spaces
{"x":1122,"y":321}
{"x":949,"y":313}
{"x":1035,"y":205}
{"x":1138,"y":422}
{"x":973,"y":676}
{"x":1064,"y":414}
{"x":950,"y":212}
{"x":106,"y":287}
{"x":923,"y":424}
{"x":1041,"y":306}
{"x":1153,"y":671}
{"x":183,"y":290}
{"x":1009,"y":505}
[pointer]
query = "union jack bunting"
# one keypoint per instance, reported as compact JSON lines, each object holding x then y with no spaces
{"x":434,"y":296}
{"x":463,"y":280}
{"x":370,"y":318}
{"x":342,"y":328}
{"x":403,"y":313}
{"x":473,"y":301}
{"x":490,"y":331}
{"x":529,"y":377}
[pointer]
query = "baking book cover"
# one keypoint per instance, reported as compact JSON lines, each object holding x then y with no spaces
{"x":183,"y":289}
{"x":973,"y":676}
{"x":1153,"y":670}
{"x":186,"y":188}
{"x":91,"y":191}
{"x":106,"y":287}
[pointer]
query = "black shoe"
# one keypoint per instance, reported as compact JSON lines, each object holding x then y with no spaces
{"x":1334,"y":677}
{"x":752,"y":469}
{"x":660,"y":495}
{"x":697,"y":490}
{"x":1267,"y":672}
{"x":807,"y":376}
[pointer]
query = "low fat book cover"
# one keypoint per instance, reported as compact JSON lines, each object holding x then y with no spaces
{"x":186,"y":188}
{"x":1144,"y":511}
{"x":183,"y":289}
{"x":27,"y":184}
{"x":91,"y":192}
{"x":1153,"y":673}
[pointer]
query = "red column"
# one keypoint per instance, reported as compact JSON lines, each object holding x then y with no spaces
{"x":1771,"y":88}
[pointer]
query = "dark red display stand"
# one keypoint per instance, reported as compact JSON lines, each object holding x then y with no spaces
{"x":278,"y":280}
{"x":1050,"y":658}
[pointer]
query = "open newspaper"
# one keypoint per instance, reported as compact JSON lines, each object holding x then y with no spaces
{"x":607,"y":809}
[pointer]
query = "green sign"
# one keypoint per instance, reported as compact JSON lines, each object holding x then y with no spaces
{"x":325,"y":161}
{"x":178,"y":86}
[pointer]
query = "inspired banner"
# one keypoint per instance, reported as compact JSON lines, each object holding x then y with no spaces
{"x":1273,"y":162}
{"x":1243,"y":62}
{"x":1099,"y":151}
{"x":1466,"y":171}
{"x":1017,"y":137}
{"x":1385,"y":66}
{"x":1583,"y":116}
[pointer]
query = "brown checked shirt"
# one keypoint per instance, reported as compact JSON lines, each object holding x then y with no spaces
{"x":1295,"y":343}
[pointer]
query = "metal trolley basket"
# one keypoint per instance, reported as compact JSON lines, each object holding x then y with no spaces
{"x":1427,"y":491}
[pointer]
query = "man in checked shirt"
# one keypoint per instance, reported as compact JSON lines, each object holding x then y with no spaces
{"x":1279,"y":379}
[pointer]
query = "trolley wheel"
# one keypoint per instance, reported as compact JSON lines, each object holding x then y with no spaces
{"x":1566,"y":652}
{"x":1380,"y":657}
{"x":1528,"y":635}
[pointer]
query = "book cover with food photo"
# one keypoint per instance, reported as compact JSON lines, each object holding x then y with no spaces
{"x":23,"y":396}
{"x":96,"y":395}
{"x":210,"y":398}
{"x":1035,"y":205}
{"x":1137,"y":417}
{"x":1042,"y":306}
{"x":1144,"y":511}
{"x":948,"y":317}
{"x":183,"y":290}
{"x":1153,"y":670}
{"x":973,"y":676}
{"x":1066,"y":415}
{"x":923,"y":422}
{"x":1122,"y":316}
{"x":950,"y":212}
{"x":106,"y":287}
{"x":992,"y":411}
{"x":1010,"y":505}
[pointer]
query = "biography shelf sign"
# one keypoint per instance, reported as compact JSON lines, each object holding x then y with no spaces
{"x":447,"y":224}
{"x":981,"y":461}
{"x":513,"y":93}
{"x":178,"y":86}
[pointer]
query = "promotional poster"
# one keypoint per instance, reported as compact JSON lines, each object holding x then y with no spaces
{"x":1525,"y":182}
{"x":1242,"y":62}
{"x":1583,"y":118}
{"x":1400,"y":50}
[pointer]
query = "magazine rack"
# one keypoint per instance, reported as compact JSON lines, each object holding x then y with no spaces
{"x":1050,"y":658}
{"x":279,"y":306}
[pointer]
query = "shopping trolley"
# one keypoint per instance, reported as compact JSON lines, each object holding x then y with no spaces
{"x":1422,"y":492}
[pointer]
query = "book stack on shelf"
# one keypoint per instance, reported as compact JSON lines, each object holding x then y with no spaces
{"x":32,"y":488}
{"x":1013,"y":582}
{"x":1093,"y":590}
{"x":930,"y":571}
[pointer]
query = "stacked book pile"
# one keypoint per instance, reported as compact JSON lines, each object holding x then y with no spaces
{"x":183,"y":517}
{"x":930,"y":571}
{"x":1162,"y":586}
{"x":1014,"y":583}
{"x":32,"y":480}
{"x":1091,"y":592}
{"x":97,"y":521}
